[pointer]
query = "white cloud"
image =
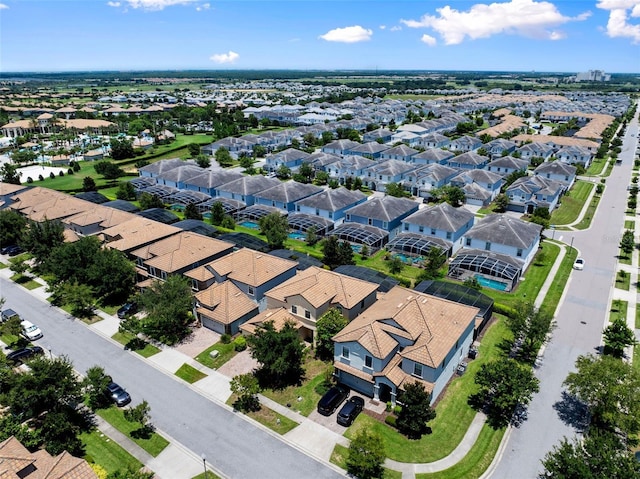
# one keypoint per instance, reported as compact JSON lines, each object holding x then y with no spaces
{"x":529,"y":18}
{"x":3,"y":6}
{"x":352,"y":34}
{"x":557,"y":35}
{"x":154,"y":5}
{"x":618,"y":24}
{"x":224,"y":57}
{"x":429,"y":40}
{"x":396,"y":28}
{"x":382,"y":27}
{"x":114,"y":4}
{"x":204,"y":6}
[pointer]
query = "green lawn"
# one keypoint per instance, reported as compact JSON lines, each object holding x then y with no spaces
{"x":124,"y":338}
{"x":638,"y":319}
{"x":572,"y":203}
{"x":115,"y":416}
{"x":453,"y":414}
{"x":339,"y":458}
{"x":624,"y":258}
{"x":585,"y":222}
{"x":618,"y":309}
{"x":225,"y":353}
{"x":25,"y":281}
{"x":596,"y":167}
{"x":554,"y":293}
{"x":315,"y":375}
{"x":273,"y":420}
{"x":3,"y":265}
{"x":208,"y":475}
{"x":534,"y":278}
{"x":107,"y":453}
{"x":476,"y":461}
{"x":629,"y":225}
{"x":623,"y":280}
{"x":190,"y":374}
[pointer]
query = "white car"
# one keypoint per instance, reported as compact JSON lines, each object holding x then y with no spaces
{"x":579,"y":264}
{"x":30,"y":330}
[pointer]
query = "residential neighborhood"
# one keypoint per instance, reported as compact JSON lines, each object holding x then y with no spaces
{"x":362,"y":248}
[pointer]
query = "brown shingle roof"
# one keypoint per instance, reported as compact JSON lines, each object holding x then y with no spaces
{"x":103,"y":215}
{"x":136,"y":232}
{"x":319,"y":286}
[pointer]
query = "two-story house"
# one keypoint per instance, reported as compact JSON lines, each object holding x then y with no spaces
{"x":223,"y":308}
{"x":404,"y":337}
{"x":291,"y":158}
{"x":330,"y":204}
{"x":557,"y":171}
{"x":210,"y":179}
{"x":285,"y":195}
{"x":340,"y":147}
{"x":506,"y":165}
{"x":468,"y":161}
{"x":432,"y":156}
{"x":530,"y":192}
{"x":246,"y":188}
{"x":371,"y":150}
{"x":400,"y":153}
{"x":491,"y":182}
{"x":441,"y":221}
{"x":421,"y":181}
{"x":385,"y":212}
{"x":575,"y":155}
{"x":535,"y":150}
{"x":313,"y":291}
{"x":499,"y":147}
{"x":465,"y":143}
{"x":380,"y":174}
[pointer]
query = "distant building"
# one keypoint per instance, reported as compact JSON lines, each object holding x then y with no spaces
{"x":593,"y":75}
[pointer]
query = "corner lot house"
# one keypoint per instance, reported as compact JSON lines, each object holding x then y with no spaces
{"x":313,"y":291}
{"x":223,"y":308}
{"x":404,"y":337}
{"x":558,"y":171}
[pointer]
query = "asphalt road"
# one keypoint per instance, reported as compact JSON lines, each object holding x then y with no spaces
{"x":231,"y":444}
{"x":580,"y":318}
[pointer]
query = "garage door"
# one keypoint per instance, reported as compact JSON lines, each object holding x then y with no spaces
{"x":213,"y":325}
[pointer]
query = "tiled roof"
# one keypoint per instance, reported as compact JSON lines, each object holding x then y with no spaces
{"x":319,"y":286}
{"x":279,"y":317}
{"x":106,"y":217}
{"x":245,"y":266}
{"x":39,"y":204}
{"x":431,"y":324}
{"x":181,"y":250}
{"x":224,"y":303}
{"x":136,"y":232}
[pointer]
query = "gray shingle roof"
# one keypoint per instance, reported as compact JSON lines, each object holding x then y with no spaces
{"x":386,"y":208}
{"x":369,"y":148}
{"x":332,"y":200}
{"x":470,"y":158}
{"x":555,"y":168}
{"x":213,"y":178}
{"x":443,"y":217}
{"x":289,"y":192}
{"x":249,"y":185}
{"x":506,"y":230}
{"x":509,"y":162}
{"x":163,"y":166}
{"x":434,"y":154}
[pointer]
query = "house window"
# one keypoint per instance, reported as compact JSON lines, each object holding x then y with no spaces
{"x":345,"y":352}
{"x":368,"y":361}
{"x":348,"y":217}
{"x":294,"y":309}
{"x":273,"y":203}
{"x":417,"y":370}
{"x":152,"y":272}
{"x":385,"y":225}
{"x":448,"y":235}
{"x":297,"y":207}
{"x":251,"y":290}
{"x":163,"y":274}
{"x":331,"y":214}
{"x":468,"y":243}
{"x":406,"y":226}
{"x":487,"y":246}
{"x":139,"y":261}
{"x":307,"y":314}
{"x":421,"y":229}
{"x":370,"y":221}
{"x":433,"y":231}
{"x":519,"y":252}
{"x":317,"y":212}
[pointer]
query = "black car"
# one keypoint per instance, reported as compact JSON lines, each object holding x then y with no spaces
{"x":11,"y":250}
{"x":350,"y":411}
{"x":332,"y":399}
{"x":127,"y":309}
{"x":117,"y":394}
{"x":21,"y":355}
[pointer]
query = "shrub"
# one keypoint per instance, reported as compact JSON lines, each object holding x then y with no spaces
{"x":390,"y":420}
{"x":61,"y":173}
{"x":508,"y":311}
{"x":240,"y":344}
{"x":29,"y":179}
{"x":225,"y":338}
{"x":40,"y":178}
{"x":52,"y":175}
{"x":388,"y":406}
{"x":69,"y":171}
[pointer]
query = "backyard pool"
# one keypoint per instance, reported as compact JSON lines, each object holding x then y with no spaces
{"x":357,"y":248}
{"x":250,"y":224}
{"x":297,"y":235}
{"x":491,"y":283}
{"x":408,"y":259}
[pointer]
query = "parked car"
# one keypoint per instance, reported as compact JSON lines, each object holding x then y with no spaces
{"x":23,"y":354}
{"x":579,"y":264}
{"x":332,"y":399}
{"x":127,"y":309}
{"x":11,"y":250}
{"x":117,"y":394}
{"x":30,"y":330}
{"x":8,"y":314}
{"x":350,"y":411}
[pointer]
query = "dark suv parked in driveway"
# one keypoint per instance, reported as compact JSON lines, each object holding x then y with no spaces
{"x":350,"y":411}
{"x":117,"y":394}
{"x":20,"y":355}
{"x":127,"y":309}
{"x":332,"y":399}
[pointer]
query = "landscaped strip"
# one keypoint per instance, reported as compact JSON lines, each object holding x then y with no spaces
{"x":101,"y":450}
{"x":572,"y":203}
{"x":225,"y":353}
{"x":190,"y":374}
{"x":25,"y":281}
{"x":339,"y":458}
{"x":623,"y":280}
{"x":146,"y":352}
{"x":273,"y":420}
{"x":618,"y":309}
{"x":588,"y":216}
{"x":114,"y":416}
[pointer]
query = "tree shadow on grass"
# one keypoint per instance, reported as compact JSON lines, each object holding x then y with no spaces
{"x":572,"y":412}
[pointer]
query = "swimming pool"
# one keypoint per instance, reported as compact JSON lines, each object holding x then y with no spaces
{"x":296,"y":235}
{"x":250,"y":224}
{"x":491,"y":283}
{"x":357,"y":248}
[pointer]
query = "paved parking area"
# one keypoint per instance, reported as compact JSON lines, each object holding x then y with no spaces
{"x":241,"y":363}
{"x":200,"y":339}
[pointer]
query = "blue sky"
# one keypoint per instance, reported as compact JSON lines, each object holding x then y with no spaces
{"x":512,"y":35}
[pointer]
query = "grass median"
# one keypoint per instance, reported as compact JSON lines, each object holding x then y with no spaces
{"x":154,"y":445}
